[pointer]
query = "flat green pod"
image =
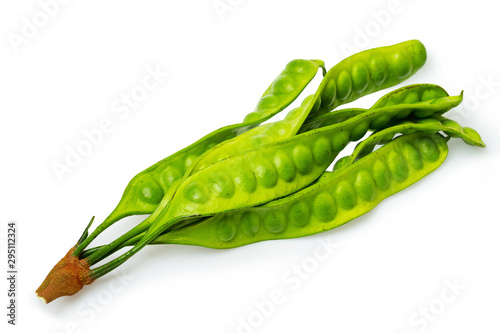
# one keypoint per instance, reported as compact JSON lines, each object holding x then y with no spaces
{"x":410,"y":152}
{"x":425,"y":99}
{"x":319,"y":207}
{"x":145,"y":191}
{"x":333,"y":91}
{"x":196,"y":198}
{"x":269,"y":170}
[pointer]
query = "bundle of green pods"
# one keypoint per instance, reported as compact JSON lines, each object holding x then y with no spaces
{"x":251,"y":182}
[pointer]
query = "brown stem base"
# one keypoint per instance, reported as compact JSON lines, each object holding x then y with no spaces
{"x":67,"y":277}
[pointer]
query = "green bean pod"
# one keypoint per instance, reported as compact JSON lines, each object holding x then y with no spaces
{"x":416,"y":94}
{"x":411,"y":94}
{"x":280,"y":168}
{"x":149,"y":186}
{"x":218,"y":231}
{"x":285,"y":89}
{"x":256,"y":137}
{"x":338,"y":198}
{"x":370,"y":71}
{"x":272,"y":170}
{"x":405,"y":97}
{"x":145,"y":191}
{"x":410,"y":153}
{"x":410,"y":54}
{"x":435,"y":124}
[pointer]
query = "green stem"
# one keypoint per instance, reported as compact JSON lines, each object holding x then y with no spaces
{"x":129,"y":242}
{"x":112,"y":218}
{"x":85,"y":233}
{"x":107,"y":250}
{"x":108,"y":267}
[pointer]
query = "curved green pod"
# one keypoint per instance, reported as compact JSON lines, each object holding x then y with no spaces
{"x":369,"y":71}
{"x":408,"y":97}
{"x":254,"y":177}
{"x":413,"y":151}
{"x":411,"y":94}
{"x":365,"y":77}
{"x":355,"y":76}
{"x":145,"y":191}
{"x":434,"y":124}
{"x":256,"y":137}
{"x":275,"y":169}
{"x":331,"y":202}
{"x":280,"y":168}
{"x":151,"y":184}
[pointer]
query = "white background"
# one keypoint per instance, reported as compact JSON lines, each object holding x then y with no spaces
{"x":399,"y":259}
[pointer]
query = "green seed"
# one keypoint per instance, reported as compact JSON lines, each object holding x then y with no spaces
{"x":397,"y":166}
{"x":196,"y":193}
{"x":412,"y":98}
{"x":360,"y":77}
{"x":324,"y":207}
{"x":151,"y":193}
{"x":412,"y":155}
{"x":303,"y":159}
{"x":226,"y":230}
{"x":345,"y":195}
{"x":275,"y":221}
{"x":284,"y":84}
{"x":340,"y":140}
{"x":428,"y":149}
{"x":249,"y":223}
{"x":329,"y":94}
{"x":378,"y":69}
{"x":245,"y":180}
{"x":401,"y":65}
{"x":322,"y":150}
{"x":222,"y":185}
{"x":365,"y":185}
{"x":381,"y":174}
{"x":285,"y":166}
{"x":266,"y":173}
{"x":359,"y":131}
{"x":170,"y":175}
{"x":299,"y":214}
{"x":344,"y":86}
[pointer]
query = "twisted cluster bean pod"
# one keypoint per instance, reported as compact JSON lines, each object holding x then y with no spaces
{"x":145,"y":191}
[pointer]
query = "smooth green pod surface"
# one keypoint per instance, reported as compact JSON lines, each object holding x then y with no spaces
{"x":259,"y":167}
{"x":422,"y":99}
{"x":145,"y":191}
{"x":256,"y":137}
{"x":428,"y":125}
{"x":156,"y":180}
{"x":329,"y":203}
{"x":275,"y":173}
{"x":410,"y":53}
{"x":256,"y":169}
{"x":370,"y":71}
